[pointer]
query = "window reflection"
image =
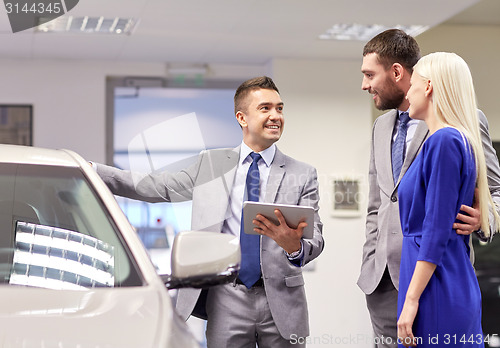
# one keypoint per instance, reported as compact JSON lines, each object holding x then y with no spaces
{"x":56,"y":258}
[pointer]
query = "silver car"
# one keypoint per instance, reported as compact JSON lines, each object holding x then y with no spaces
{"x":73,"y":271}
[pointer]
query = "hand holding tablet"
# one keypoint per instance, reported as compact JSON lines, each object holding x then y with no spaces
{"x":293,"y":214}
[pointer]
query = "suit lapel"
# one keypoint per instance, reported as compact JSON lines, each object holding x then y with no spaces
{"x":275,"y":176}
{"x":417,"y":141}
{"x":229,"y":168}
{"x":385,"y":144}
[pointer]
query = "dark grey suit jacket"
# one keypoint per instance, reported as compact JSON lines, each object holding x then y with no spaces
{"x":384,"y":238}
{"x":208,"y":184}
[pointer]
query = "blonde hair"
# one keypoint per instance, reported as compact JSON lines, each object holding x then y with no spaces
{"x":454,"y":102}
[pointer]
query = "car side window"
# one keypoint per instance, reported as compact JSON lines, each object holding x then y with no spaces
{"x":56,"y":233}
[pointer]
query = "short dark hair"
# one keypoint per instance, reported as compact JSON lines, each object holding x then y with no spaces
{"x":262,"y":82}
{"x":394,"y":46}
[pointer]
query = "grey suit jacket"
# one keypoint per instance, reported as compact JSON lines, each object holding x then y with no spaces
{"x":208,"y":184}
{"x":384,"y":238}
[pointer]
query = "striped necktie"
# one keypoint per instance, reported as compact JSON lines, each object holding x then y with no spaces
{"x":399,"y":145}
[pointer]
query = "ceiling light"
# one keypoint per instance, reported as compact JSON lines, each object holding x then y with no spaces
{"x":88,"y":25}
{"x":361,"y":32}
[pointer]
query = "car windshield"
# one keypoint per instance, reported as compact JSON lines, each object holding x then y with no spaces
{"x":56,"y":233}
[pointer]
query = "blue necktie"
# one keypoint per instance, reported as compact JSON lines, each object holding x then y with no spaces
{"x":250,"y":243}
{"x":398,"y":148}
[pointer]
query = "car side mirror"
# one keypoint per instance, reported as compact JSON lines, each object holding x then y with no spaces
{"x":202,"y":259}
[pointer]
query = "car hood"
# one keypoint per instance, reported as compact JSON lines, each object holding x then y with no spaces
{"x":105,"y":318}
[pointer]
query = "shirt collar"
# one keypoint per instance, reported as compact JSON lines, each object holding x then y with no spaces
{"x":400,"y":111}
{"x":267,"y":155}
{"x":411,"y":122}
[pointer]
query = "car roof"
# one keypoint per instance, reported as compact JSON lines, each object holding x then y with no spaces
{"x":36,"y":155}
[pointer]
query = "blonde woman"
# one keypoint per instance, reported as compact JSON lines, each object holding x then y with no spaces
{"x":439,"y":301}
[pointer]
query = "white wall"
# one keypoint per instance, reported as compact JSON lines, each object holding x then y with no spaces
{"x":480,"y":47}
{"x":68,"y":97}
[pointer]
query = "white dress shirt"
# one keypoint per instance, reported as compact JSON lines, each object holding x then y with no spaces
{"x":238,"y":194}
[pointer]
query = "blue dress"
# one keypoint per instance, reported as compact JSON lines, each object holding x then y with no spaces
{"x":439,"y":181}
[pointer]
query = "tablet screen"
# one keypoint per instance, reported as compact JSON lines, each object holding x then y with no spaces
{"x":293,"y":214}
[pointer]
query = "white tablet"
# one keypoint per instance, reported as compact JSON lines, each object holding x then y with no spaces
{"x":294,"y":214}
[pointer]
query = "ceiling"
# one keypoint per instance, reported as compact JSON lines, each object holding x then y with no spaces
{"x":232,"y":31}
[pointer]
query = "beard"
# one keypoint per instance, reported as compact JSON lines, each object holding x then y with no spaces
{"x":391,"y":97}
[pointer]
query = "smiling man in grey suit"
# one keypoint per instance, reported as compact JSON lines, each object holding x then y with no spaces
{"x":388,"y":61}
{"x":270,"y":311}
